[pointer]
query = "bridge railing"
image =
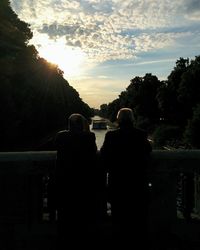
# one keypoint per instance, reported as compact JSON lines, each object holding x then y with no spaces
{"x":22,"y":200}
{"x":25,"y":216}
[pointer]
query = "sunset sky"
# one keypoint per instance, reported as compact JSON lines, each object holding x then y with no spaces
{"x":102,"y":44}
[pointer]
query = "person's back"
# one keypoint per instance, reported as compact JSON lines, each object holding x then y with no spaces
{"x":125,"y":152}
{"x":76,"y":151}
{"x":75,"y":177}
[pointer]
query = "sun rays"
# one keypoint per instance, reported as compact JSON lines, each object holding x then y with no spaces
{"x":69,"y":59}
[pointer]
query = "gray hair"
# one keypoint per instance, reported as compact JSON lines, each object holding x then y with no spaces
{"x":76,"y":122}
{"x":125,"y":116}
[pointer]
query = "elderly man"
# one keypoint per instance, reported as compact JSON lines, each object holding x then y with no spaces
{"x":75,"y":181}
{"x":125,"y":152}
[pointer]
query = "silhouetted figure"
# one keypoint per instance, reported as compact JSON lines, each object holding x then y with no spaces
{"x":75,"y":182}
{"x":125,"y":152}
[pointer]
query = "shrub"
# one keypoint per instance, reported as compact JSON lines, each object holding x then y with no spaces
{"x":166,"y":135}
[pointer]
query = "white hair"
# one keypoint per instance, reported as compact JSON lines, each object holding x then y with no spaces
{"x":125,"y":116}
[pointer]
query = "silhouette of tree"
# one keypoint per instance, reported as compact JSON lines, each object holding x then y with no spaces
{"x":145,"y":103}
{"x":171,"y":105}
{"x":35,"y":99}
{"x":113,"y":108}
{"x":192,"y":132}
{"x":140,"y":95}
{"x":103,"y":110}
{"x":189,"y":89}
{"x":168,"y":94}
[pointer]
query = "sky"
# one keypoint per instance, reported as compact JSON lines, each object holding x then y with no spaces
{"x":102,"y":44}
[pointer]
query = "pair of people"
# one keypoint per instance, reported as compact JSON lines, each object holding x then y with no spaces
{"x":124,"y":153}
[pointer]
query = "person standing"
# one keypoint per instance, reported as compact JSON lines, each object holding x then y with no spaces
{"x":126,"y":151}
{"x":75,"y":181}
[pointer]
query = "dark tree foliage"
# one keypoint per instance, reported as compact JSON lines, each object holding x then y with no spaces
{"x":140,"y":95}
{"x":189,"y":89}
{"x":35,"y":99}
{"x":171,"y":105}
{"x":192,"y":132}
{"x":147,"y":104}
{"x":113,"y":108}
{"x":162,"y":96}
{"x":103,"y":112}
{"x":180,"y":95}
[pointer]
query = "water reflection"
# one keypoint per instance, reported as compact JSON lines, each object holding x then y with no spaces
{"x":100,"y":134}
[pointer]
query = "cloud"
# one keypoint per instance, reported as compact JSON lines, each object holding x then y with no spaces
{"x":192,"y":5}
{"x":190,"y":9}
{"x":109,"y":29}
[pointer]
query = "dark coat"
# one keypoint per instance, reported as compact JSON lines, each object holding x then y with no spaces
{"x":75,"y":174}
{"x":125,"y":152}
{"x":74,"y":150}
{"x":75,"y":187}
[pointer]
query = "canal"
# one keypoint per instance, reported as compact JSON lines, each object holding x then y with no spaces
{"x":99,"y":133}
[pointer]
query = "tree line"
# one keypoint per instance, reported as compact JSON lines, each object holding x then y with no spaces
{"x":35,"y":99}
{"x":169,"y":110}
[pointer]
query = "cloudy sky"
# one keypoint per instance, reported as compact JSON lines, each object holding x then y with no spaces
{"x":102,"y":44}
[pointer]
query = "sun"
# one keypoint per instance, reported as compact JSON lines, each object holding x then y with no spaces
{"x":69,"y":59}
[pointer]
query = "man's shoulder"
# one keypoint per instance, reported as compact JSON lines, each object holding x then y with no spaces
{"x":61,"y":134}
{"x":140,"y":131}
{"x":88,"y":135}
{"x":112,"y":132}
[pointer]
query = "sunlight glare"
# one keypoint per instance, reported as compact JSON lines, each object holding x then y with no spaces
{"x":69,"y":59}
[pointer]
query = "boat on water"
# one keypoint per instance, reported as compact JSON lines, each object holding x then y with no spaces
{"x":99,"y":124}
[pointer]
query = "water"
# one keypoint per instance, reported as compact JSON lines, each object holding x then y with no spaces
{"x":100,"y":135}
